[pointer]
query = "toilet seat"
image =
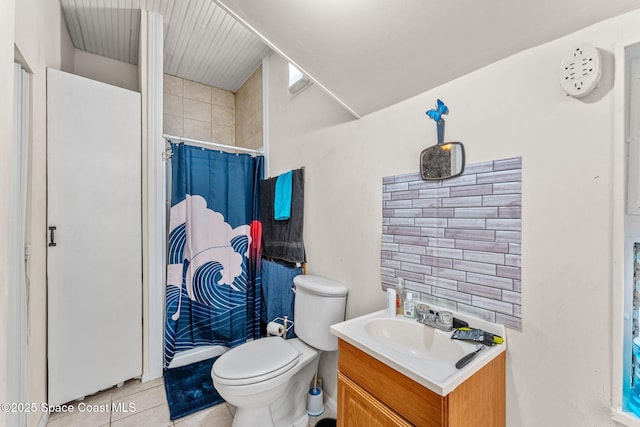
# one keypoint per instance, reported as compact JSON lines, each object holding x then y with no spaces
{"x":255,"y":362}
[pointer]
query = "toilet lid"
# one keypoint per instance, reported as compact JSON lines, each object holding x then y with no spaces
{"x":255,"y":361}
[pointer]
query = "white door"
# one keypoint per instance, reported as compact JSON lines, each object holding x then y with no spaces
{"x":94,"y":261}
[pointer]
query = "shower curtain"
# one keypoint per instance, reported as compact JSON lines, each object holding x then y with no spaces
{"x":213,"y":278}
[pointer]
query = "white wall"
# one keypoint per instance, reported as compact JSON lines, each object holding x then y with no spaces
{"x":559,"y":365}
{"x":105,"y":70}
{"x":7,"y":11}
{"x":39,"y":37}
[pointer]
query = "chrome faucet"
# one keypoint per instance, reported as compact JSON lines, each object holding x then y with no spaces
{"x":442,"y":320}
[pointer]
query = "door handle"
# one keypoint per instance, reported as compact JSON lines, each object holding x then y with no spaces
{"x":52,"y":236}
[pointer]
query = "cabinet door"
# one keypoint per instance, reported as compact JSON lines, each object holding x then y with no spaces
{"x":357,"y":408}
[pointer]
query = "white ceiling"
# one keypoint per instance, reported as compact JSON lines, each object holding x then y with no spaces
{"x":374,"y":53}
{"x":369,"y":54}
{"x":201,"y":41}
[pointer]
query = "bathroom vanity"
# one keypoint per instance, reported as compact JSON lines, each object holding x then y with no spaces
{"x":396,"y":372}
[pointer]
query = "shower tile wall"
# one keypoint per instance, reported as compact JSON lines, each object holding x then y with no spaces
{"x":197,"y":111}
{"x":249,"y":112}
{"x":457,"y":241}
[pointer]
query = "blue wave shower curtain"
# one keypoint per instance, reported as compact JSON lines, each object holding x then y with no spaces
{"x":213,"y":278}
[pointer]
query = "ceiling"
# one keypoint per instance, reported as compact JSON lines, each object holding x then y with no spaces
{"x":368,"y":54}
{"x":201,"y":41}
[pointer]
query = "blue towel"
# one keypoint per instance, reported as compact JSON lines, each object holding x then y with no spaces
{"x":282,"y":204}
{"x":277,"y":284}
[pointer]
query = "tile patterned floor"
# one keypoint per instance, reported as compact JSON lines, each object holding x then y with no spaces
{"x":151,"y":410}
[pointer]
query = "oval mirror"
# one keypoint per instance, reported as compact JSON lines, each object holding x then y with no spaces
{"x":442,"y":161}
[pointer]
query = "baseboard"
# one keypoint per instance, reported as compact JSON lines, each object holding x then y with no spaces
{"x":330,"y":403}
{"x":149,"y":376}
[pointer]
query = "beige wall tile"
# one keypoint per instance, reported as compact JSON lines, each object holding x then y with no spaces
{"x":173,"y":125}
{"x":197,"y":91}
{"x":196,"y":110}
{"x":195,"y":129}
{"x":222,"y":116}
{"x":172,"y":104}
{"x":255,"y":141}
{"x":223,"y":98}
{"x":224,"y":135}
{"x":172,"y":85}
{"x":249,"y":112}
{"x":242,"y":133}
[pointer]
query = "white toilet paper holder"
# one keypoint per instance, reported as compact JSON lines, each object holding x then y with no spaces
{"x":288,"y":324}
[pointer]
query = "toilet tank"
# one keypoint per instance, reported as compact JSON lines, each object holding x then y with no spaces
{"x":319,"y":303}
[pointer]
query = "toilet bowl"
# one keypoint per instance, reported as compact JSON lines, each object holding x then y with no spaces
{"x":267,"y":391}
{"x":267,"y":380}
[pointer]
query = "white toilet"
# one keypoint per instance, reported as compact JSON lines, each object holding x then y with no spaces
{"x":267,"y":380}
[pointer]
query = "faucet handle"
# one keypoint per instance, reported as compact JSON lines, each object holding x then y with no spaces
{"x":423,"y":312}
{"x":445,"y":318}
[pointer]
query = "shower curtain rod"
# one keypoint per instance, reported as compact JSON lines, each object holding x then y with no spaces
{"x":211,"y":144}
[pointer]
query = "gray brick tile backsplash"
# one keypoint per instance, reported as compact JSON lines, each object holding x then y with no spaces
{"x":487,"y":315}
{"x":513,"y":163}
{"x":438,"y":213}
{"x":465,"y":202}
{"x":464,"y":179}
{"x":471,"y":190}
{"x":442,"y":243}
{"x":470,"y":234}
{"x":486,"y":280}
{"x":514,"y":212}
{"x":502,"y":176}
{"x":507,"y":187}
{"x":493,"y":305}
{"x":474,"y":245}
{"x":467,"y":223}
{"x":398,"y":204}
{"x":476,"y":267}
{"x":476,"y":212}
{"x":410,"y":240}
{"x":427,"y":203}
{"x":483,"y":291}
{"x":456,"y":242}
{"x":504,"y":224}
{"x":502,"y":200}
{"x":508,"y":236}
{"x":390,"y":188}
{"x":490,"y":257}
{"x":478,"y":168}
{"x":431,"y":222}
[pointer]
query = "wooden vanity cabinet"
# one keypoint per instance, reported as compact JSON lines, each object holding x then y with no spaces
{"x":372,"y":394}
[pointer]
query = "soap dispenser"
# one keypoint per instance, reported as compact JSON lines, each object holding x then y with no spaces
{"x":409,"y":306}
{"x":400,"y":296}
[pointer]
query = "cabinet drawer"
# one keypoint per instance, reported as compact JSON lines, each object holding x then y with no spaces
{"x":412,"y":401}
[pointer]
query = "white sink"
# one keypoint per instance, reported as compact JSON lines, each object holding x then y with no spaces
{"x":422,"y":353}
{"x":416,"y":339}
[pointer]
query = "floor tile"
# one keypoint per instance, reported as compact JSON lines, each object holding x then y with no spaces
{"x":218,"y":416}
{"x":135,"y":386}
{"x":92,"y":412}
{"x":138,"y":402}
{"x":157,"y":416}
{"x":232,"y":408}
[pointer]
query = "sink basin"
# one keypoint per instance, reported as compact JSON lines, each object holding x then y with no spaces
{"x":423,"y":353}
{"x":416,"y":339}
